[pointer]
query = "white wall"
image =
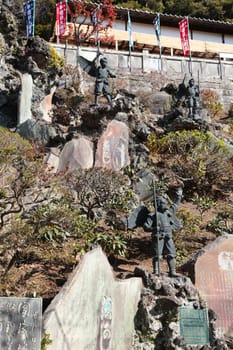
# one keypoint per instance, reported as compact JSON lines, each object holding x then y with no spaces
{"x":228,"y":39}
{"x":173,"y":32}
{"x":119,"y":25}
{"x":207,"y":36}
{"x":169,"y":31}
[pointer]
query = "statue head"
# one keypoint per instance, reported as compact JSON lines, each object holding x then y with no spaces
{"x":103,"y":61}
{"x":162,"y":204}
{"x":191,"y":82}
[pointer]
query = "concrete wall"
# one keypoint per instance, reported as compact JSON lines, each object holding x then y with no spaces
{"x":145,"y":75}
{"x":146,"y":62}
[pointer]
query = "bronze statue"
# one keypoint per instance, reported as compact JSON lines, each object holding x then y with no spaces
{"x":193,"y":98}
{"x":103,"y":73}
{"x":161,"y":223}
{"x":99,"y":69}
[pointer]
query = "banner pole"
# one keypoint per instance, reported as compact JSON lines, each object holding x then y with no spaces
{"x":34,"y":15}
{"x":190,"y":53}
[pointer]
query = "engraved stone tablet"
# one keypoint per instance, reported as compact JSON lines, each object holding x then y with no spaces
{"x":194,"y":325}
{"x":76,"y":154}
{"x":20,"y":323}
{"x":93,"y":310}
{"x":214,"y":280}
{"x":112,"y":149}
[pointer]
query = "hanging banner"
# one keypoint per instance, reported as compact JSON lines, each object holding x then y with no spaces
{"x":184,"y":36}
{"x":157,"y":29}
{"x":130,"y":32}
{"x":29,"y":12}
{"x":95,"y":22}
{"x":60,"y":18}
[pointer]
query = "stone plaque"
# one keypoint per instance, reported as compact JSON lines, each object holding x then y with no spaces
{"x":93,"y":310}
{"x":214,"y":280}
{"x":194,"y":325}
{"x":112,"y":149}
{"x":20,"y":323}
{"x":76,"y":154}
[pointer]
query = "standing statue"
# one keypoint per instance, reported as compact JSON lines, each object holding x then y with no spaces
{"x":103,"y":73}
{"x":161,"y":224}
{"x":99,"y":69}
{"x":193,"y":98}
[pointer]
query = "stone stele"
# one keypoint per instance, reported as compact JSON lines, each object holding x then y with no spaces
{"x":93,"y":311}
{"x":76,"y":154}
{"x":112,"y":149}
{"x":214,"y":280}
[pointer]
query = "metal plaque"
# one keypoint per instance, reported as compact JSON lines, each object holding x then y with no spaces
{"x":20,"y":323}
{"x":194,"y":325}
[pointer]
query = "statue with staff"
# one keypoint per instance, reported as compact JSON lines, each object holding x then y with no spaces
{"x":161,"y":223}
{"x":99,"y":69}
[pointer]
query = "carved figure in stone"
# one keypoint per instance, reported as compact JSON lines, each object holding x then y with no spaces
{"x":161,"y":224}
{"x":193,"y":98}
{"x":99,"y":69}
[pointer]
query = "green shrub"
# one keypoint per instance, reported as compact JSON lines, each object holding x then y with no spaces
{"x":198,"y":158}
{"x":56,"y":62}
{"x":111,"y":243}
{"x":211,"y":101}
{"x":223,"y":222}
{"x":13,"y":147}
{"x":203,"y":204}
{"x":45,"y":341}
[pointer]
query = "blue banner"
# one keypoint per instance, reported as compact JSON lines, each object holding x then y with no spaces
{"x":156,"y":23}
{"x":29,"y":12}
{"x":130,"y":32}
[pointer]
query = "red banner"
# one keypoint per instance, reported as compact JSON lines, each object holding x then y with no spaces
{"x":184,"y":36}
{"x":60,"y":18}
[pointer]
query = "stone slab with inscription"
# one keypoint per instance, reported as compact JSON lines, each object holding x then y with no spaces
{"x":20,"y":323}
{"x":112,"y":149}
{"x":94,"y":310}
{"x":194,"y":325}
{"x":76,"y":154}
{"x":214,"y":280}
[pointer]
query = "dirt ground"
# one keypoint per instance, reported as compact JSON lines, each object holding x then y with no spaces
{"x":42,"y":270}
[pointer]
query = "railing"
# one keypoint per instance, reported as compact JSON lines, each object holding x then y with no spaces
{"x":146,"y":62}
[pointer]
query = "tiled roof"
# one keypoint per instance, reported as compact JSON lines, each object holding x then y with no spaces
{"x":173,"y":20}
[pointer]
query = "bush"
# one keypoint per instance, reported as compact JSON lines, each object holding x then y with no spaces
{"x":100,"y":188}
{"x":198,"y":158}
{"x":223,"y":222}
{"x":211,"y":101}
{"x":55,"y":62}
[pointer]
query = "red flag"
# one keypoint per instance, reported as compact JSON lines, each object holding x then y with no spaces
{"x":61,"y":18}
{"x":184,"y":36}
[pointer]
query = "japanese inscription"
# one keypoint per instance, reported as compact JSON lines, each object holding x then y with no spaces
{"x":194,"y":325}
{"x":20,"y":323}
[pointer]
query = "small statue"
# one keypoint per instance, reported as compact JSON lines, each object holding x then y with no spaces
{"x":161,"y":223}
{"x":193,"y":98}
{"x":98,"y":68}
{"x":101,"y":85}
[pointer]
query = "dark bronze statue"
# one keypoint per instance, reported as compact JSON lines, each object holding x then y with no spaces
{"x":103,"y":73}
{"x":161,"y":223}
{"x":193,"y":98}
{"x":99,"y":69}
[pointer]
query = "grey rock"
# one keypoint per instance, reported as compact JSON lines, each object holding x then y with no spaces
{"x":36,"y":130}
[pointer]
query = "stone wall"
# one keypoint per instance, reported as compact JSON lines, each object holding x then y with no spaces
{"x":143,"y":73}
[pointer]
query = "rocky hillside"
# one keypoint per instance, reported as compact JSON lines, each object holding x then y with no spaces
{"x":55,"y":204}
